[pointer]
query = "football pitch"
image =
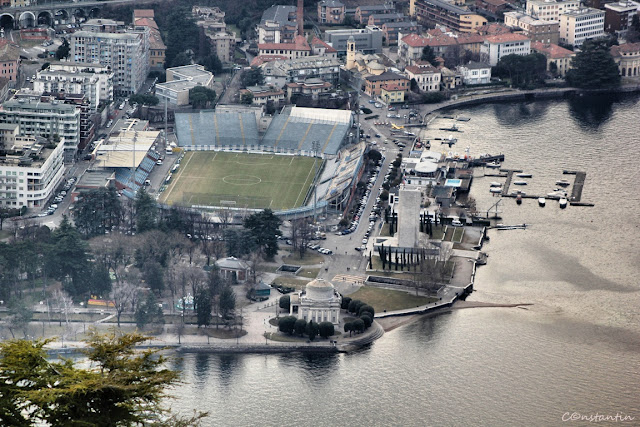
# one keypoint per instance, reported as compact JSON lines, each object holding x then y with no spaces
{"x":242,"y":180}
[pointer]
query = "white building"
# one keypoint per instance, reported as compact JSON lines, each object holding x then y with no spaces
{"x":495,"y":47}
{"x":475,"y":73}
{"x":68,"y":82}
{"x":427,"y":77}
{"x":550,"y":10}
{"x":45,"y":119}
{"x":101,"y":72}
{"x":180,"y":80}
{"x":582,"y":24}
{"x":318,"y":302}
{"x":126,"y":53}
{"x":278,"y":25}
{"x":30,"y":172}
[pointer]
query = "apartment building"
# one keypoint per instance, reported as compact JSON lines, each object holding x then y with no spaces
{"x":9,"y":61}
{"x":426,"y":76}
{"x":331,"y":12}
{"x":368,"y":40}
{"x":223,"y":44}
{"x":281,"y":72}
{"x":46,"y":119}
{"x":180,"y":80}
{"x":102,"y":73}
{"x":58,"y":81}
{"x":278,"y":25}
{"x":582,"y":24}
{"x":392,"y":30}
{"x":363,"y":12}
{"x":373,"y":84}
{"x":30,"y":171}
{"x":550,"y":10}
{"x":537,"y":30}
{"x":432,"y":12}
{"x":559,"y":56}
{"x":495,"y":47}
{"x":126,"y":53}
{"x":475,"y":73}
{"x":618,"y":16}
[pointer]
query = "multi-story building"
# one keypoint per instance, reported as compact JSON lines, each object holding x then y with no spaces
{"x":331,"y":12}
{"x":9,"y":61}
{"x":560,"y":57}
{"x":537,"y":30}
{"x":102,"y":26}
{"x":265,"y":94}
{"x":278,"y":25}
{"x":492,"y":8}
{"x":363,"y":12}
{"x":321,"y":48}
{"x":310,"y":87}
{"x":180,"y":80}
{"x":101,"y":72}
{"x":30,"y":171}
{"x":618,"y":16}
{"x":377,"y":19}
{"x":475,"y":73}
{"x":392,"y":93}
{"x":298,"y":49}
{"x":627,"y":56}
{"x":281,"y":72}
{"x":368,"y":40}
{"x":432,"y":12}
{"x":46,"y":119}
{"x":157,"y":48}
{"x":209,"y":18}
{"x":391,"y":30}
{"x":495,"y":47}
{"x":550,"y":10}
{"x":126,"y":53}
{"x":223,"y":44}
{"x":373,"y":84}
{"x":582,"y":24}
{"x":426,"y":76}
{"x":58,"y":81}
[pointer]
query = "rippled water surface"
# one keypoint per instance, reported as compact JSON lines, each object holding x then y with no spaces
{"x":576,"y":349}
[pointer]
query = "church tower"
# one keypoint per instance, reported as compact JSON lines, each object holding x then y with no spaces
{"x":351,"y":53}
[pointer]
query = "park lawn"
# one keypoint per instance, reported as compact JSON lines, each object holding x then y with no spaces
{"x":241,"y":180}
{"x":309,"y":273}
{"x":5,"y":234}
{"x":457,"y":234}
{"x":310,"y":258}
{"x":290,"y":282}
{"x":388,"y":299}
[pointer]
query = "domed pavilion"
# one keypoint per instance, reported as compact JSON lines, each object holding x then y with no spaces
{"x":318,"y":302}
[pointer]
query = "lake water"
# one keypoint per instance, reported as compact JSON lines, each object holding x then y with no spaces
{"x":575,"y":350}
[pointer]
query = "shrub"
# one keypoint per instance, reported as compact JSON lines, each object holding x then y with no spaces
{"x":312,"y":330}
{"x":286,"y":324}
{"x":358,"y":325}
{"x":366,"y":309}
{"x":326,"y":329}
{"x":366,"y":319}
{"x":351,"y":308}
{"x":348,"y":327}
{"x":300,"y":326}
{"x":285,"y":301}
{"x":345,"y":303}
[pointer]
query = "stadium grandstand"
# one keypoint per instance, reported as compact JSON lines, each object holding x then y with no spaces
{"x":130,"y":155}
{"x":340,"y":176}
{"x":292,"y":131}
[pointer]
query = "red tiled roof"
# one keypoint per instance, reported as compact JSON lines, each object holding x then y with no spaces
{"x":262,"y":59}
{"x":146,"y":22}
{"x":393,"y":87}
{"x":143,"y":13}
{"x":415,"y":40}
{"x":552,"y":50}
{"x":321,"y":43}
{"x":299,"y":44}
{"x":468,"y":38}
{"x":493,"y":29}
{"x":425,"y":69}
{"x":503,"y":38}
{"x":625,"y":48}
{"x":495,"y":2}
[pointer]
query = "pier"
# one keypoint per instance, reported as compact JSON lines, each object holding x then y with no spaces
{"x":484,"y":160}
{"x":578,"y":184}
{"x":507,"y":182}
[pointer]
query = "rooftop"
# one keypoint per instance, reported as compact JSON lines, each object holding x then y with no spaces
{"x":505,"y":38}
{"x":401,"y":24}
{"x":279,"y":14}
{"x":318,"y":43}
{"x":457,"y":10}
{"x":126,"y":149}
{"x":387,"y":75}
{"x":425,"y":69}
{"x":300,"y":43}
{"x":552,"y":50}
{"x":28,"y":152}
{"x":375,"y":7}
{"x":625,"y":48}
{"x":473,"y":65}
{"x":143,"y":13}
{"x":582,"y":11}
{"x":331,"y":3}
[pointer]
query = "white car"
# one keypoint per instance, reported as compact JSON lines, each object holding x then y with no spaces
{"x":364,"y":241}
{"x":456,"y":223}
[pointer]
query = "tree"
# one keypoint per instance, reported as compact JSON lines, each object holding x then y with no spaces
{"x":246,"y":98}
{"x":252,"y":77}
{"x":285,"y":300}
{"x":19,"y":316}
{"x":201,"y":97}
{"x":326,"y":329}
{"x":594,"y":67}
{"x":63,"y":50}
{"x":375,"y":156}
{"x":203,"y":307}
{"x":348,"y":327}
{"x":148,"y":312}
{"x":300,"y":326}
{"x":181,"y":59}
{"x":143,"y":99}
{"x":522,"y":70}
{"x":97,"y":211}
{"x":122,"y":386}
{"x":100,"y":283}
{"x":124,"y":290}
{"x":345,"y":303}
{"x":212,"y":63}
{"x":145,"y":211}
{"x":429,"y":55}
{"x":366,"y":319}
{"x":70,"y":258}
{"x":286,"y":324}
{"x":265,"y":229}
{"x":312,"y":330}
{"x":227,"y":301}
{"x":358,"y":325}
{"x":153,"y":275}
{"x":366,"y":309}
{"x":239,"y":242}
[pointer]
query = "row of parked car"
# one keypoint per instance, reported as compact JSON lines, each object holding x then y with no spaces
{"x":320,"y":249}
{"x":59,"y":197}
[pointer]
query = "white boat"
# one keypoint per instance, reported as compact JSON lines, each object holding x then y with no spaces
{"x":495,"y":190}
{"x":524,"y":175}
{"x":542,"y":201}
{"x":519,"y":182}
{"x":563,"y":203}
{"x":563,"y":183}
{"x":494,"y":165}
{"x":495,"y":184}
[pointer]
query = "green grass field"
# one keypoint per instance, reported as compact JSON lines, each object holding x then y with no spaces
{"x":241,"y":180}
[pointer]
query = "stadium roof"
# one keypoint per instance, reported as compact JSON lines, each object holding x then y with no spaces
{"x":209,"y":127}
{"x":296,"y":128}
{"x":127,"y":148}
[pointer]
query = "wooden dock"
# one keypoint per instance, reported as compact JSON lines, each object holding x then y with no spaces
{"x":507,"y":182}
{"x":578,"y":184}
{"x":484,"y":160}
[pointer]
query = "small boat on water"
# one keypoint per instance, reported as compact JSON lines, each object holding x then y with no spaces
{"x":524,"y":175}
{"x":495,"y":184}
{"x":495,"y":190}
{"x":519,"y":199}
{"x":519,"y":182}
{"x":494,"y":165}
{"x":563,"y":183}
{"x":453,"y":128}
{"x":542,"y":201}
{"x":450,"y":140}
{"x":563,"y":203}
{"x":463,"y":119}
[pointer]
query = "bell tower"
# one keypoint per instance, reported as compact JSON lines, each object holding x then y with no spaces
{"x":351,"y":53}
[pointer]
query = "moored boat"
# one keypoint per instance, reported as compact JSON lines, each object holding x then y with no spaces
{"x":495,"y":190}
{"x":563,"y":203}
{"x":563,"y":183}
{"x":519,"y":182}
{"x":542,"y":201}
{"x":524,"y":175}
{"x":495,"y":184}
{"x":519,"y":199}
{"x":493,"y":165}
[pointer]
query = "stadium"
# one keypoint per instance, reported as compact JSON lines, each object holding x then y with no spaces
{"x":235,"y":157}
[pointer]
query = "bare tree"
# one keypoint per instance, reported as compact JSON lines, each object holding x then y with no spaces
{"x":124,"y":290}
{"x":304,"y":232}
{"x":64,"y":304}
